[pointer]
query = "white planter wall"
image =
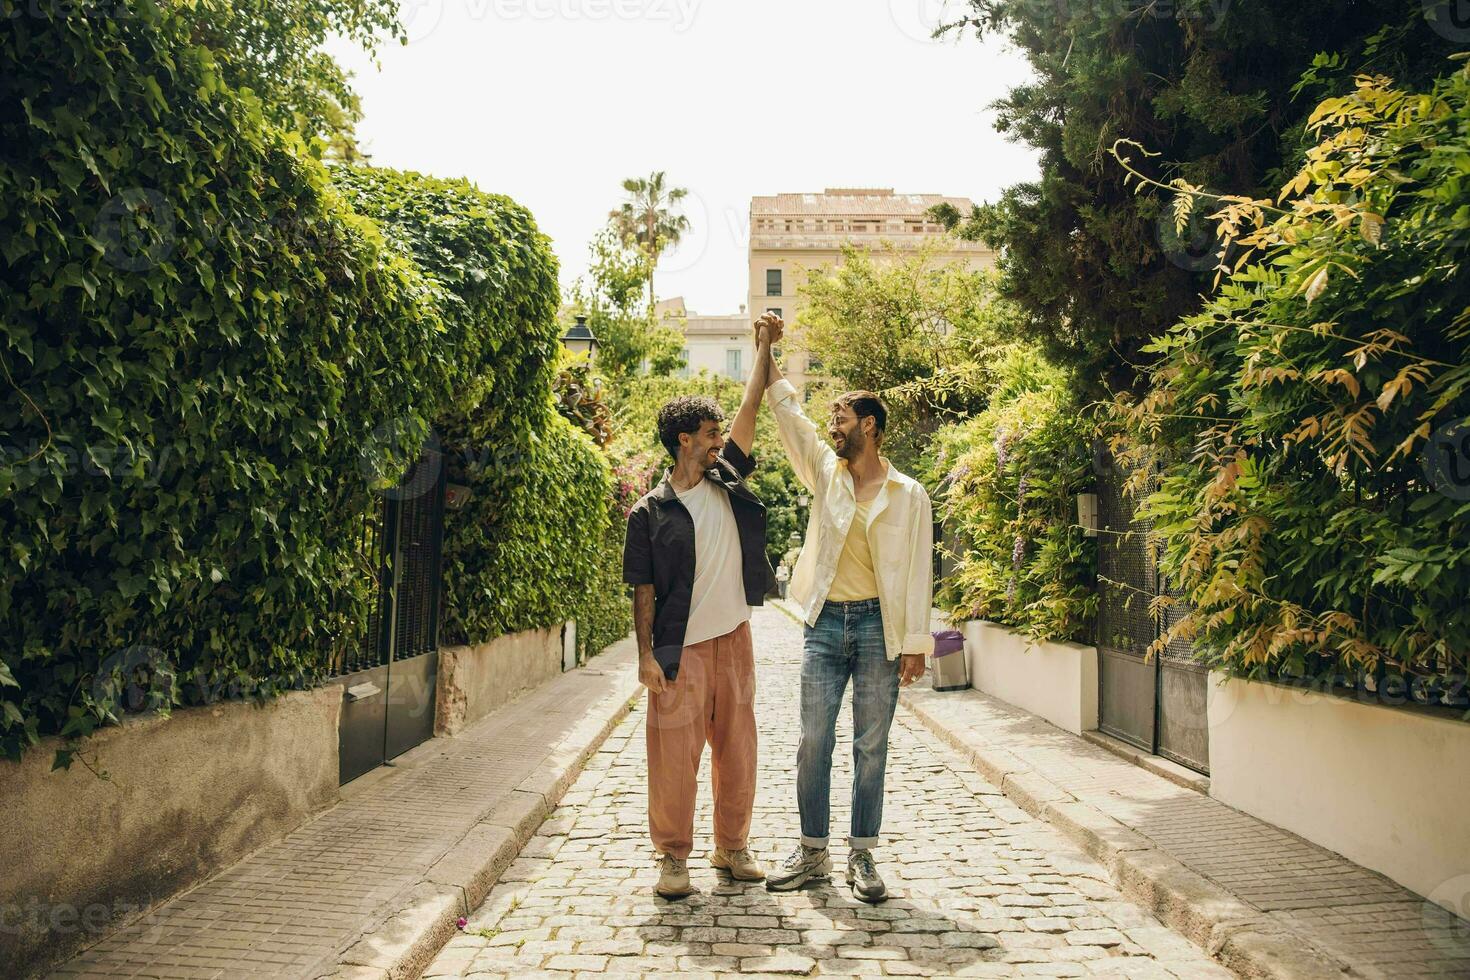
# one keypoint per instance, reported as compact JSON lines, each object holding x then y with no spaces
{"x":1385,"y":787}
{"x":1057,"y":681}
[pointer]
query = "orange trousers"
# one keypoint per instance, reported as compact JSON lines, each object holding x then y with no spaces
{"x":713,"y":700}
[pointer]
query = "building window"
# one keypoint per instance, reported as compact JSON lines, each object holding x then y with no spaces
{"x":732,"y":363}
{"x":776,"y":310}
{"x":684,"y":363}
{"x":773,"y":282}
{"x":813,"y":364}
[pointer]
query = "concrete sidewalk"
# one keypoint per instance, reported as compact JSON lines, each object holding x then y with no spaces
{"x":371,"y":888}
{"x":1263,"y":901}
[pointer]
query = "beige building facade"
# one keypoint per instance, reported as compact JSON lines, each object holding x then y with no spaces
{"x":792,"y":235}
{"x":719,"y":344}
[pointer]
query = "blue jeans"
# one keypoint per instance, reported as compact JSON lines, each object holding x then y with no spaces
{"x":847,"y":641}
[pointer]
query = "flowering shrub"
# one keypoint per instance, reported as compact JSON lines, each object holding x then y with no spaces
{"x":1008,"y":481}
{"x":634,"y":474}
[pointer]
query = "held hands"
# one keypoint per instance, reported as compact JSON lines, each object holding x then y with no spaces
{"x":769,"y":329}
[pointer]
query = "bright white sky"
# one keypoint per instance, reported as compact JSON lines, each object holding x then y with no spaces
{"x":554,"y":102}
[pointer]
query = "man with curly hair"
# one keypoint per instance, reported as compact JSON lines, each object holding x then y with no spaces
{"x":695,"y":555}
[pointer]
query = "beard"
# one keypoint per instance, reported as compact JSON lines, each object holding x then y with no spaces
{"x":850,"y":447}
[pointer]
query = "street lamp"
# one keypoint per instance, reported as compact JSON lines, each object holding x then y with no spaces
{"x":579,"y":338}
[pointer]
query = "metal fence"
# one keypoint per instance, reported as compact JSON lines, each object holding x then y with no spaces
{"x":1156,"y":702}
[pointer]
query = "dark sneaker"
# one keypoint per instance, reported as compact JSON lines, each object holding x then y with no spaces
{"x":862,"y":875}
{"x":803,"y":864}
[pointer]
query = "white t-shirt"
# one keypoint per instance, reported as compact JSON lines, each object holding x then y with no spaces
{"x":717,"y":604}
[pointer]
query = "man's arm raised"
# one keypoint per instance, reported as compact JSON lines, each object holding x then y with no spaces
{"x":742,"y":430}
{"x":808,"y":454}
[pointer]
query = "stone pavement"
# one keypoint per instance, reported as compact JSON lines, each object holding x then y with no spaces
{"x":979,"y":887}
{"x":1221,"y":871}
{"x":298,"y":907}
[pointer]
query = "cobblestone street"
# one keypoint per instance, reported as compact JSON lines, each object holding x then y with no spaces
{"x":978,"y":888}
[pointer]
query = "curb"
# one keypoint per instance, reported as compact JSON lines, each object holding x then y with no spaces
{"x":1237,"y":935}
{"x":403,"y":945}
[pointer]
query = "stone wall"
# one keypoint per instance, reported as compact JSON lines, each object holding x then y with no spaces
{"x":182,"y":798}
{"x":475,"y":680}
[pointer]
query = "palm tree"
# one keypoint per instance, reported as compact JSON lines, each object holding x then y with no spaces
{"x":647,"y":219}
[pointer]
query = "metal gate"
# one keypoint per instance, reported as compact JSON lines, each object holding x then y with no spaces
{"x":391,"y":675}
{"x":1156,"y":703}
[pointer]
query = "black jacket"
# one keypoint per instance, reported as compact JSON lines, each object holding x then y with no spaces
{"x":659,"y":550}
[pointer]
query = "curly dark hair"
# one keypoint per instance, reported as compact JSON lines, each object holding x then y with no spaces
{"x":685,"y":414}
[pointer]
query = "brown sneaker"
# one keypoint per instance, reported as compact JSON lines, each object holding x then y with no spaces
{"x":741,"y":864}
{"x":673,"y":877}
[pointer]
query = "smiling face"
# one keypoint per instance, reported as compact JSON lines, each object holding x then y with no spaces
{"x":704,"y":444}
{"x":848,"y":433}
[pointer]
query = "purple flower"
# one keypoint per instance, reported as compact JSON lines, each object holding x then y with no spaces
{"x":1002,"y":446}
{"x":461,"y":922}
{"x":1018,"y":552}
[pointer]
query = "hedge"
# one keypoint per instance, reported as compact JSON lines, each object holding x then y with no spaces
{"x":198,"y":339}
{"x":531,"y":547}
{"x":1310,"y":421}
{"x":493,"y":276}
{"x":518,"y":555}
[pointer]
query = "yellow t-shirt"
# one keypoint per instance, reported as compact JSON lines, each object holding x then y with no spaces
{"x":855,"y":578}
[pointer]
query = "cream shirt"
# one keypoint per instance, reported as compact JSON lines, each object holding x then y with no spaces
{"x":900,"y":531}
